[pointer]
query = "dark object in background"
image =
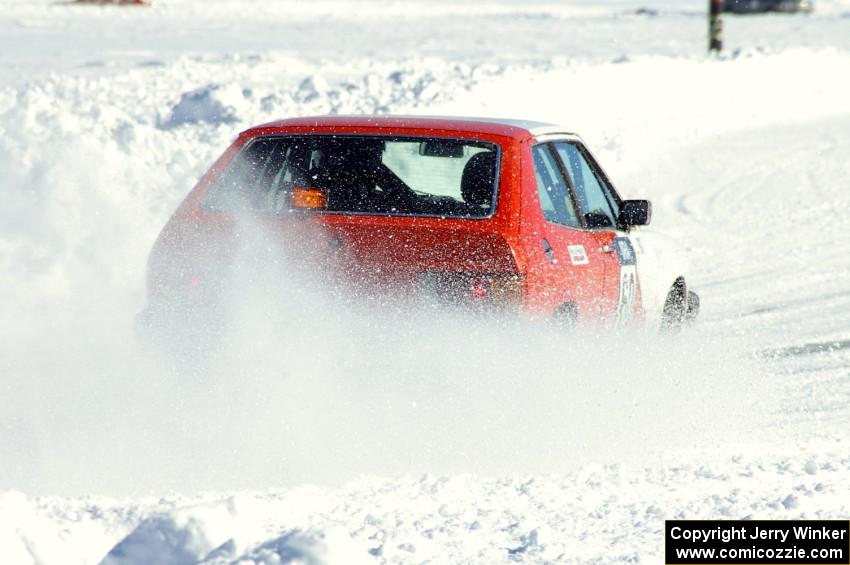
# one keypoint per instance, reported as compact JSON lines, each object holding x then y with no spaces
{"x":715,"y":25}
{"x":114,"y":2}
{"x":764,"y":6}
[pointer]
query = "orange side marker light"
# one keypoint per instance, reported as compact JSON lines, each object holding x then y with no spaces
{"x":308,"y":198}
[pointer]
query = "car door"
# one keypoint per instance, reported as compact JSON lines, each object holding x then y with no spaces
{"x":599,"y":208}
{"x":578,"y":262}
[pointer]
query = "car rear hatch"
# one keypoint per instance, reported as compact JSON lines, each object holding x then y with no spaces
{"x":376,"y":215}
{"x":442,"y":261}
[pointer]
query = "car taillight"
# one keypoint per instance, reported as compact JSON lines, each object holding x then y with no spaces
{"x":308,"y":198}
{"x":485,"y":289}
{"x":506,"y":288}
{"x":479,"y":288}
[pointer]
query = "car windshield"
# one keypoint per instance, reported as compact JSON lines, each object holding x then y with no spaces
{"x":360,"y":174}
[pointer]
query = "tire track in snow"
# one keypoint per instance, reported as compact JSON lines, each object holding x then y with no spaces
{"x":775,"y":262}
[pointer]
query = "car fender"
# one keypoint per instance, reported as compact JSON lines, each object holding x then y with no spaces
{"x":659,"y":264}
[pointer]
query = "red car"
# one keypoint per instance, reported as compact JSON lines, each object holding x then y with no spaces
{"x":485,"y":213}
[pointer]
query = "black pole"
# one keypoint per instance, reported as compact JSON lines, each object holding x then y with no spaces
{"x":715,"y":25}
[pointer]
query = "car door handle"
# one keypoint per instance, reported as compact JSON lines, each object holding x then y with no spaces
{"x":547,"y":249}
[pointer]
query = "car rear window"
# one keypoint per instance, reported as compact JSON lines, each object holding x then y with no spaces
{"x":361,"y":175}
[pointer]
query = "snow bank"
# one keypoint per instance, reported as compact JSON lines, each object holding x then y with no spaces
{"x":181,"y":537}
{"x":222,"y":532}
{"x":212,"y":104}
{"x":310,"y":548}
{"x":17,"y":522}
{"x":600,"y":513}
{"x":40,"y":532}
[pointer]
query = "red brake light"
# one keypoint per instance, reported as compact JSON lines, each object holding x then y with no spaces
{"x":479,"y":288}
{"x":498,"y":289}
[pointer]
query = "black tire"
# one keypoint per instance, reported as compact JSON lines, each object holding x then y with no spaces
{"x":693,"y":306}
{"x":675,"y":310}
{"x":565,"y":317}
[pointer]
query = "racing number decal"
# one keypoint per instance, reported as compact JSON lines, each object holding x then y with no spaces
{"x":628,"y":278}
{"x":628,"y":287}
{"x":578,"y":256}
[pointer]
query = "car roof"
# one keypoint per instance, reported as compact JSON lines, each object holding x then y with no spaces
{"x":519,"y":129}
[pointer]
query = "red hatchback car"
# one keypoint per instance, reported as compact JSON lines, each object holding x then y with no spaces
{"x":464,"y":211}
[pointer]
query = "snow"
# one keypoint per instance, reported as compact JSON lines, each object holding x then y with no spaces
{"x":458,"y":442}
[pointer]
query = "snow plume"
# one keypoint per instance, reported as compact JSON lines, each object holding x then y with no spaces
{"x":311,"y":386}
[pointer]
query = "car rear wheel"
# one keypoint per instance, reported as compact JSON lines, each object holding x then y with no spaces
{"x":693,"y":306}
{"x":565,"y":317}
{"x":675,"y":307}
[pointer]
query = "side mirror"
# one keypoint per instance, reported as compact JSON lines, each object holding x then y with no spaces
{"x":635,"y":213}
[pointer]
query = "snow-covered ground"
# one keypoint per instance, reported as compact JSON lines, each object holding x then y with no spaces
{"x":521,"y":449}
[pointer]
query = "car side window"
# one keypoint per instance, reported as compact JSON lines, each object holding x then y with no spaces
{"x":552,"y":189}
{"x":593,"y":196}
